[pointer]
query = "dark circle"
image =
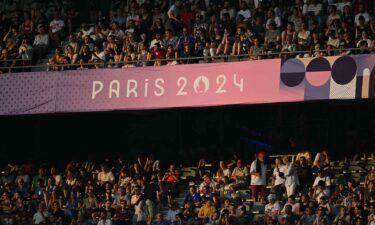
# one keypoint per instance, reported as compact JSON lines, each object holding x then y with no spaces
{"x":344,"y":70}
{"x":292,"y":72}
{"x":318,"y":65}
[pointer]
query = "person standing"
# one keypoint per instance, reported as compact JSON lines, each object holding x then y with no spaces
{"x":291,"y":181}
{"x":258,"y":183}
{"x":279,"y":179}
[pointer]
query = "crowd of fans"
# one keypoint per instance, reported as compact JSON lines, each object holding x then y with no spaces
{"x":120,"y":191}
{"x":168,"y":32}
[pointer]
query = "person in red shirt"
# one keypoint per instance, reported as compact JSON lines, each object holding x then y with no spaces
{"x":157,"y":53}
{"x":172,"y":175}
{"x":170,"y":179}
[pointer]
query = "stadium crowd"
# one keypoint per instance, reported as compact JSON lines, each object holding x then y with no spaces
{"x":167,"y":32}
{"x":119,"y":191}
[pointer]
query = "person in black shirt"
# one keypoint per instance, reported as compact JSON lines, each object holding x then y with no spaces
{"x":151,"y":195}
{"x":304,"y":173}
{"x":201,"y":43}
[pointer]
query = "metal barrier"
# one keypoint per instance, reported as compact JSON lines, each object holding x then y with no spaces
{"x":192,"y":60}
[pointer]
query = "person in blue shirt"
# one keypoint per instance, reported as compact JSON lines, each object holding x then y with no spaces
{"x":160,"y":220}
{"x":193,"y":196}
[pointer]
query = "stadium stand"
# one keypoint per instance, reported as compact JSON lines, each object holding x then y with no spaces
{"x":97,"y":34}
{"x":302,"y":189}
{"x":117,"y":191}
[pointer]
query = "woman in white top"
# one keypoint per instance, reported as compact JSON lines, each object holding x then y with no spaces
{"x":303,"y":37}
{"x":222,"y":172}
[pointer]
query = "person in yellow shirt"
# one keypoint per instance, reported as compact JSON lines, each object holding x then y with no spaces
{"x":206,"y":211}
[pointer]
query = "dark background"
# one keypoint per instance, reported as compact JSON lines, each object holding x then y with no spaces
{"x":185,"y":135}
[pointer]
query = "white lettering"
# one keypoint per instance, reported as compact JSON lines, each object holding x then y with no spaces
{"x":220,"y":81}
{"x":182,"y":82}
{"x":95,"y":89}
{"x":240,"y":85}
{"x":159,"y":85}
{"x":114,"y":88}
{"x":146,"y":88}
{"x":131,"y":88}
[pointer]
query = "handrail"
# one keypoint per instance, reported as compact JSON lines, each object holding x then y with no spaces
{"x":132,"y":62}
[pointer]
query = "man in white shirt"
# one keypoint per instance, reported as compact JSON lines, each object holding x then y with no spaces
{"x":41,"y":215}
{"x":244,"y":11}
{"x":340,"y":6}
{"x":314,"y":6}
{"x":279,"y":179}
{"x":103,"y":219}
{"x":362,"y":12}
{"x":292,"y":202}
{"x":117,"y":32}
{"x":322,"y":177}
{"x":291,"y":181}
{"x":364,"y":38}
{"x":158,"y":40}
{"x":227,"y":9}
{"x":56,"y":27}
{"x":258,"y":171}
{"x":86,"y":30}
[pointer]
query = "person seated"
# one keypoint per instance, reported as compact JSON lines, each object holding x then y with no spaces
{"x":322,"y":176}
{"x":321,"y":190}
{"x":207,"y":182}
{"x":293,"y":204}
{"x":206,"y":211}
{"x":240,"y":175}
{"x":321,"y":160}
{"x":193,"y":196}
{"x":273,"y":208}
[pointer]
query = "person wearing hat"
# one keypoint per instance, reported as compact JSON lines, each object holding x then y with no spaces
{"x":258,"y":183}
{"x":272,"y":209}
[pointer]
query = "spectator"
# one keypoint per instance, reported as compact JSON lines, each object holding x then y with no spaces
{"x":41,"y":215}
{"x":140,"y":213}
{"x":258,"y":170}
{"x":322,"y":176}
{"x":244,"y":11}
{"x":56,"y":28}
{"x":172,"y":213}
{"x":272,"y":209}
{"x":291,"y":181}
{"x":272,"y":36}
{"x":105,"y":175}
{"x":361,"y":13}
{"x":256,"y":51}
{"x":321,"y":160}
{"x":279,"y":179}
{"x":104,"y":220}
{"x":40,"y":45}
{"x":174,"y":13}
{"x":240,"y":175}
{"x":160,"y":220}
{"x":206,"y":211}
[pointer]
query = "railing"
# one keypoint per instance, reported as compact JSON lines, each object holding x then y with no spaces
{"x":192,"y":60}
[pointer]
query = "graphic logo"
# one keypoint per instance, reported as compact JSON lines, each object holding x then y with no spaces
{"x":201,"y":85}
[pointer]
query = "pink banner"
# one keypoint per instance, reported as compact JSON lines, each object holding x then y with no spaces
{"x":197,"y":85}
